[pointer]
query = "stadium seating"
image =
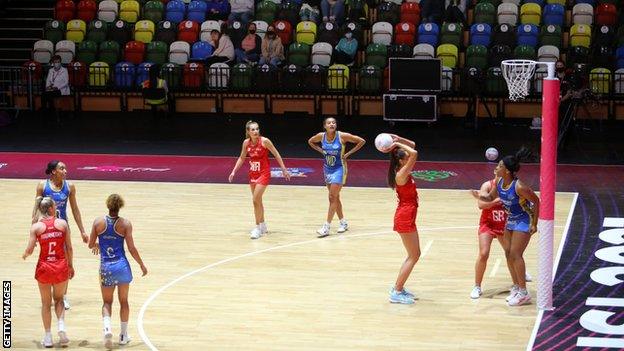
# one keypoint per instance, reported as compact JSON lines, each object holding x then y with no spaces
{"x":299,"y":54}
{"x":530,"y":13}
{"x":175,"y":12}
{"x":508,"y":13}
{"x":153,"y":10}
{"x":107,"y":11}
{"x":201,"y":50}
{"x":165,"y":32}
{"x":480,"y":34}
{"x":306,"y":32}
{"x":66,"y":49}
{"x":124,"y":74}
{"x":129,"y":11}
{"x":87,"y":52}
{"x":583,"y":14}
{"x":42,"y":51}
{"x":76,"y":30}
{"x":54,"y":31}
{"x":65,"y":10}
{"x":452,"y":33}
{"x":156,"y":51}
{"x":423,"y":51}
{"x":196,"y":11}
{"x":377,"y":55}
{"x":179,"y":52}
{"x":86,"y":10}
{"x":218,"y":76}
{"x":338,"y":78}
{"x":144,"y":31}
{"x":580,"y":35}
{"x":134,"y":52}
{"x":321,"y":54}
{"x":449,"y":55}
{"x":428,"y":33}
{"x":99,"y":74}
{"x":109,"y":52}
{"x":188,"y":31}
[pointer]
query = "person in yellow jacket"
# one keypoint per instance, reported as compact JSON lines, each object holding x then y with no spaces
{"x":155,"y":82}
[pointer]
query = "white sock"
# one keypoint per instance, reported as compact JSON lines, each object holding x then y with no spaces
{"x":124,"y":328}
{"x":61,"y":325}
{"x":107,"y":324}
{"x":343,"y":221}
{"x":523,"y":291}
{"x":262,"y":225}
{"x":48,"y":334}
{"x":327,"y":224}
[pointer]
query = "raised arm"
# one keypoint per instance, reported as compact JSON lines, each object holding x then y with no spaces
{"x":38,"y":192}
{"x":405,"y":171}
{"x":487,"y":197}
{"x":32,"y":240}
{"x":130,"y":243}
{"x":526,"y":192}
{"x":314,"y":142}
{"x":358,"y":141}
{"x":269,"y":145}
{"x":485,"y":190}
{"x":76,"y":212}
{"x":240,"y":160}
{"x":404,"y":141}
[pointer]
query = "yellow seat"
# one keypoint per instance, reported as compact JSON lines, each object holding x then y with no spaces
{"x":76,"y":30}
{"x":600,"y":80}
{"x":129,"y":11}
{"x":144,"y":31}
{"x":306,"y":32}
{"x":338,"y":77}
{"x":448,"y":53}
{"x":531,"y":14}
{"x":580,"y":35}
{"x":99,"y":72}
{"x":560,"y":2}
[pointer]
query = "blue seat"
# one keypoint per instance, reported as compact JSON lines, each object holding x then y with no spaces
{"x":197,"y":11}
{"x":619,"y":56}
{"x":201,"y":50}
{"x":553,"y":14}
{"x":124,"y":74}
{"x":142,"y":72}
{"x":528,"y":34}
{"x":218,"y":8}
{"x":428,"y":33}
{"x":480,"y":34}
{"x":175,"y":11}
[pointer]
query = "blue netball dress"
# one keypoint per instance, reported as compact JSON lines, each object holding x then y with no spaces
{"x":519,"y":210}
{"x":114,"y":267}
{"x":60,"y":198}
{"x":334,"y":167}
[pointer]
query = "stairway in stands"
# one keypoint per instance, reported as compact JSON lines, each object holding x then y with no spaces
{"x":21,"y":25}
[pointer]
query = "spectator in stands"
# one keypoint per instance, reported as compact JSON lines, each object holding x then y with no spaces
{"x":156,"y":92}
{"x":241,"y":10}
{"x":333,"y":11}
{"x":272,"y":48}
{"x":251,"y":46}
{"x":431,"y":11}
{"x":224,"y":49}
{"x":455,"y":10}
{"x":561,"y":70}
{"x":346,"y":49}
{"x":309,"y":11}
{"x":57,"y":84}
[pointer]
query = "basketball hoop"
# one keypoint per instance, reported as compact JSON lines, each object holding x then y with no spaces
{"x":517,"y":74}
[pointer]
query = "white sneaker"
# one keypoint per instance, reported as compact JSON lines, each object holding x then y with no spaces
{"x":63,"y":340}
{"x":343,"y":226}
{"x":527,"y":277}
{"x":323,"y":231}
{"x":47,"y":341}
{"x":256,"y":233}
{"x":512,"y":293}
{"x":66,"y":302}
{"x":520,"y":299}
{"x":476,"y":292}
{"x":263,"y":228}
{"x":108,"y":339}
{"x":124,"y":339}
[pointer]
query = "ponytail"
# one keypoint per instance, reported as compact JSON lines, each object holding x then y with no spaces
{"x":51,"y":166}
{"x":395,"y":156}
{"x":512,"y":162}
{"x":43,"y":205}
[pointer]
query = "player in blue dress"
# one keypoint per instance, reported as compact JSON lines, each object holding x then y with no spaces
{"x":332,"y":147}
{"x":61,"y":191}
{"x":110,"y":232}
{"x":522,"y":206}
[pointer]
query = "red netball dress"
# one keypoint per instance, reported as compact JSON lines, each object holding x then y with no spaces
{"x":405,"y":215}
{"x":52,"y":266}
{"x":493,"y":219}
{"x":259,"y":167}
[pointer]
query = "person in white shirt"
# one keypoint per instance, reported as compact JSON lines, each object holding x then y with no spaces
{"x":224,"y":49}
{"x":57,"y":84}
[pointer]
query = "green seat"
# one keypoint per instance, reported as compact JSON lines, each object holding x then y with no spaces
{"x":299,"y":54}
{"x":153,"y":10}
{"x":495,"y":84}
{"x":485,"y":12}
{"x":171,"y":73}
{"x":495,"y":3}
{"x":452,"y":33}
{"x":97,"y":31}
{"x":525,"y":52}
{"x":87,"y":52}
{"x":377,"y":55}
{"x":54,"y":31}
{"x":476,"y":56}
{"x":266,"y":11}
{"x":370,"y":80}
{"x":241,"y":77}
{"x":156,"y":52}
{"x":551,"y":35}
{"x":109,"y":52}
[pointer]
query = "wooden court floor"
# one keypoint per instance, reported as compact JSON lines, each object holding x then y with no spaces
{"x":286,"y":291}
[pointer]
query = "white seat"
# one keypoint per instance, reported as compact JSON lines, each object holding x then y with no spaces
{"x":423,"y":51}
{"x":619,"y":81}
{"x":398,"y":2}
{"x":218,"y":75}
{"x":261,"y":28}
{"x":179,"y":52}
{"x":207,"y":27}
{"x":548,"y":53}
{"x":582,"y":14}
{"x":42,"y":51}
{"x":66,"y":49}
{"x":382,"y":33}
{"x":107,"y":11}
{"x":508,"y":13}
{"x":517,"y":2}
{"x":538,"y":78}
{"x":321,"y":54}
{"x":447,"y":78}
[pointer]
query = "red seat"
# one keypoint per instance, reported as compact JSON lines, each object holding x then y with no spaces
{"x":193,"y":76}
{"x":188,"y":31}
{"x":606,"y":14}
{"x":284,"y":31}
{"x":134,"y":52}
{"x":64,"y":10}
{"x":77,"y":72}
{"x":410,"y":12}
{"x":87,"y":10}
{"x":31,"y":70}
{"x":405,"y":33}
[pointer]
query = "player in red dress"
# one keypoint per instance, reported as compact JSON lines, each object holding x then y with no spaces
{"x":258,"y":148}
{"x":54,"y":267}
{"x":402,"y":160}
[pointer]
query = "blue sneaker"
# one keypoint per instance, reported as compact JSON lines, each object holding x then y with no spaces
{"x":400,"y":297}
{"x":405,"y":291}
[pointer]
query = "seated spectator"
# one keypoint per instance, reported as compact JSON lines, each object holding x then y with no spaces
{"x":333,"y":11}
{"x":241,"y":10}
{"x":346,"y":49}
{"x":455,"y":12}
{"x":309,"y":12}
{"x":224,"y":49}
{"x":217,"y":10}
{"x":272,"y":48}
{"x":57,"y":85}
{"x":251,"y":46}
{"x":431,"y":11}
{"x":156,"y":92}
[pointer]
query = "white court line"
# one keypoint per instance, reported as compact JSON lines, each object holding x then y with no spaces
{"x":427,"y":247}
{"x":540,"y":313}
{"x":154,"y":295}
{"x":495,"y":268}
